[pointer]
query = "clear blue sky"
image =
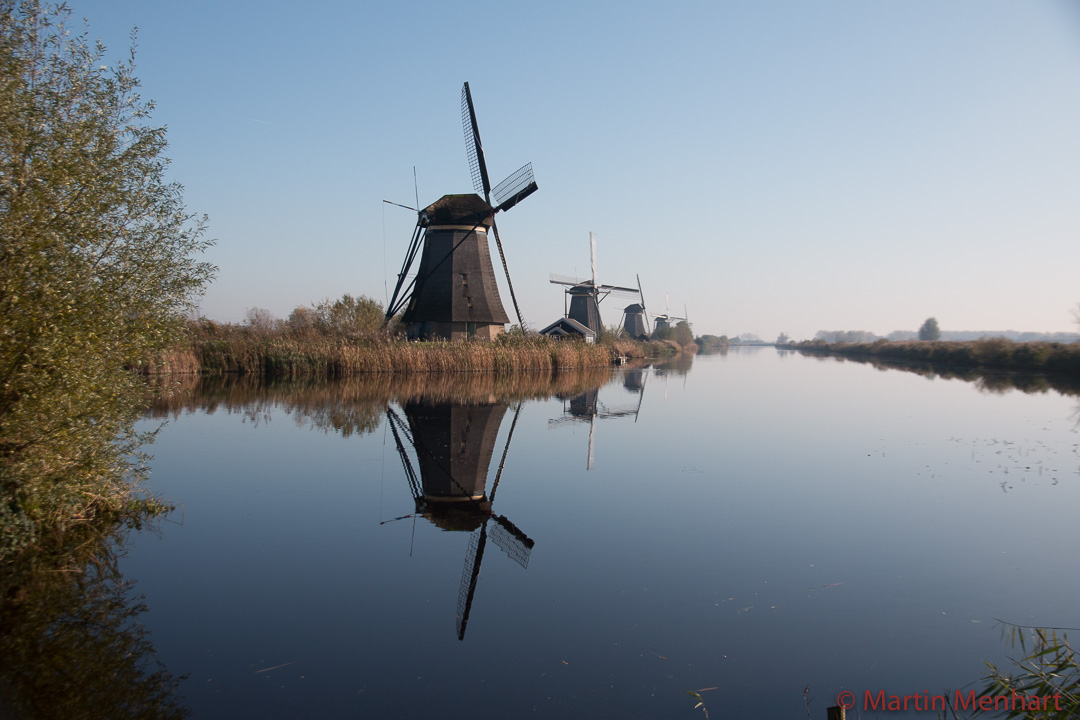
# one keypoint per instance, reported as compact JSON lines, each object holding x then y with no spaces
{"x":773,"y":165}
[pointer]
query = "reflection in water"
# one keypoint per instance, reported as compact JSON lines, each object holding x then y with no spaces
{"x":355,"y":405}
{"x":586,"y":407}
{"x":454,"y":443}
{"x":991,"y":381}
{"x":71,"y":645}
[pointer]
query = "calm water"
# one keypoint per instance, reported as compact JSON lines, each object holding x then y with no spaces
{"x":753,"y":524}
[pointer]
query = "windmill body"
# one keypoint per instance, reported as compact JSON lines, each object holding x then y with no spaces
{"x":456,"y":296}
{"x":585,"y":306}
{"x":634,"y":322}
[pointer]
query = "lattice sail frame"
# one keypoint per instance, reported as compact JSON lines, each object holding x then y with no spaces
{"x":474,"y":148}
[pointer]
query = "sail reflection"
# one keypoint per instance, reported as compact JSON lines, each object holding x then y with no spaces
{"x":586,"y":407}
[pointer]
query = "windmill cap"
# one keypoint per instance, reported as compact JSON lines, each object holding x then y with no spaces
{"x":468,"y":209}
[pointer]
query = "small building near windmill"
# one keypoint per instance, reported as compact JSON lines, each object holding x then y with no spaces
{"x":456,"y":296}
{"x":567,"y":328}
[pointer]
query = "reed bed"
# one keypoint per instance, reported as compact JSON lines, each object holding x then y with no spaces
{"x":222,"y":349}
{"x":995,"y":353}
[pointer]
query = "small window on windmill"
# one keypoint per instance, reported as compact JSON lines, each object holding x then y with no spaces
{"x":465,"y":285}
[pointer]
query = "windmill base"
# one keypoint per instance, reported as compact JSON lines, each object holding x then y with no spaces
{"x":433,"y":330}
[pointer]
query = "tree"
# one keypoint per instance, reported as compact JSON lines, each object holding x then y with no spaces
{"x":97,"y":269}
{"x":354,"y":317}
{"x":262,"y":320}
{"x":782,"y":339}
{"x":930,"y":330}
{"x":684,"y":335}
{"x":301,"y":320}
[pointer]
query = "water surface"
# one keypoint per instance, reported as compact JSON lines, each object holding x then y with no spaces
{"x":753,"y":524}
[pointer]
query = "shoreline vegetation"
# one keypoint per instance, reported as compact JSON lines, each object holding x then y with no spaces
{"x":223,"y":349}
{"x":988,"y":354}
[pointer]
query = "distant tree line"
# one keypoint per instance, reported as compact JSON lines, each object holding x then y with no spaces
{"x":865,"y":336}
{"x":713,"y":342}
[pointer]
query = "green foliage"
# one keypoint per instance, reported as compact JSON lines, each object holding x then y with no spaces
{"x":301,"y":320}
{"x":1050,"y":669}
{"x":97,"y":270}
{"x":349,"y":316}
{"x":712,"y":342}
{"x":930,"y":330}
{"x":997,"y":353}
{"x":683,"y":334}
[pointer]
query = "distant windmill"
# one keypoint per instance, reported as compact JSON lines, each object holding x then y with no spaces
{"x":454,"y":294}
{"x":454,"y":445}
{"x":635,"y":317}
{"x":667,"y":320}
{"x":584,"y":296}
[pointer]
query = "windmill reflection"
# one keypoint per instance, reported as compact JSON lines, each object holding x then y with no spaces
{"x":587,"y":407}
{"x":454,"y":444}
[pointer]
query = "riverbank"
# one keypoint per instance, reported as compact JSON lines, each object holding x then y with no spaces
{"x":991,"y":353}
{"x":217,"y":349}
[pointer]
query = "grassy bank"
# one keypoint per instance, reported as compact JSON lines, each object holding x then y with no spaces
{"x":218,"y":349}
{"x":992,"y":353}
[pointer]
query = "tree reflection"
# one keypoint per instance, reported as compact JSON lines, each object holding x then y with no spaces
{"x":989,"y":381}
{"x":71,"y":645}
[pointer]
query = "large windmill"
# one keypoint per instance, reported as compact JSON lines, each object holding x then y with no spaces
{"x":454,"y":294}
{"x":454,"y":445}
{"x":584,"y":296}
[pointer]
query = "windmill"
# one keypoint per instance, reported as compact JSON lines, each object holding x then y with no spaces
{"x":587,"y":407}
{"x":455,"y":294}
{"x":453,"y":446}
{"x":667,"y":320}
{"x":584,"y":296}
{"x":635,"y":317}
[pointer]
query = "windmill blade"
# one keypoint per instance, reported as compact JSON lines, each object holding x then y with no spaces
{"x":473,"y":147}
{"x":644,"y":312}
{"x":410,"y":255}
{"x":410,"y":473}
{"x":506,"y":270}
{"x":516,"y":544}
{"x":556,"y":279}
{"x":618,"y":290}
{"x":520,"y":185}
{"x":469,"y":575}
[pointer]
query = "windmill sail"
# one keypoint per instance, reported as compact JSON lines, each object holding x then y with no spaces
{"x":473,"y":147}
